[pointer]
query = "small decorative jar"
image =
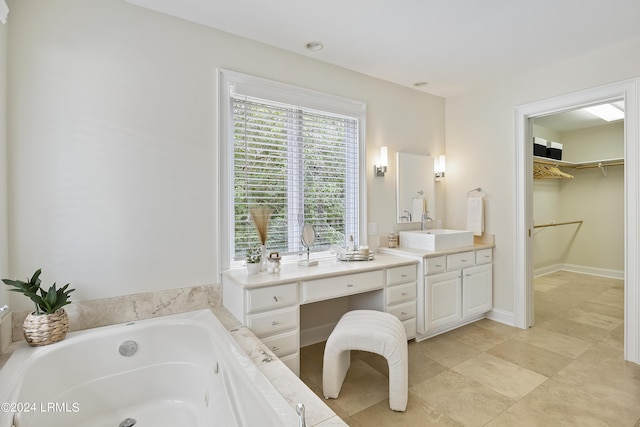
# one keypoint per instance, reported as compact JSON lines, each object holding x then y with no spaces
{"x":273,"y":264}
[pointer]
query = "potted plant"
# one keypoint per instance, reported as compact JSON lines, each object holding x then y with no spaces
{"x":254,"y":256}
{"x":50,"y":322}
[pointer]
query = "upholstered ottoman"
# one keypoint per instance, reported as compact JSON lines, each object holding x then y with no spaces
{"x":373,"y":331}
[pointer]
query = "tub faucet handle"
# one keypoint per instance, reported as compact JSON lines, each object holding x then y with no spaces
{"x":301,"y":417}
{"x":4,"y":307}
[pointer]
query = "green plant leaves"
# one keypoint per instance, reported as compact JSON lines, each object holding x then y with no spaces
{"x":48,"y":301}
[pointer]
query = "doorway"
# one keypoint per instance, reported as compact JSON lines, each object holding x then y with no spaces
{"x":523,"y":295}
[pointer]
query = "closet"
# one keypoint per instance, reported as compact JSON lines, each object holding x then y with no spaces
{"x":578,"y":202}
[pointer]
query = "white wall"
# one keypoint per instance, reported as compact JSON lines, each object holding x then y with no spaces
{"x":481,"y":139}
{"x":113,"y":141}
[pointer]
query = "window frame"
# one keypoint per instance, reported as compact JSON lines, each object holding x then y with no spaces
{"x":229,"y":81}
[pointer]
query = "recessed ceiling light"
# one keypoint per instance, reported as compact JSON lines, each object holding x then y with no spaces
{"x":314,"y":46}
{"x":419,"y":84}
{"x":606,"y":112}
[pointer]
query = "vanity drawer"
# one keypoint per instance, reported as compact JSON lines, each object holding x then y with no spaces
{"x":272,"y":322}
{"x":272,"y":297}
{"x":404,"y":311}
{"x":401,"y":293}
{"x":484,"y":256}
{"x":331,"y":287}
{"x":435,"y":265}
{"x":397,"y":275}
{"x":282,"y":344}
{"x":461,"y":260}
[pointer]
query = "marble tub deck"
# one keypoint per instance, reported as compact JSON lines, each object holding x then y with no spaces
{"x":91,"y":314}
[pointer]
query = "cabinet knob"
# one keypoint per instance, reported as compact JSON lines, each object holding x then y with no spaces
{"x":274,"y":323}
{"x":463,"y":260}
{"x":349,"y":285}
{"x":404,"y":313}
{"x":275,"y":348}
{"x":275,"y":298}
{"x":404,"y":294}
{"x":438,"y":265}
{"x":404,"y":275}
{"x":467,"y":274}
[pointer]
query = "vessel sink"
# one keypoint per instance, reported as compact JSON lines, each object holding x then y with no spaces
{"x":436,"y":240}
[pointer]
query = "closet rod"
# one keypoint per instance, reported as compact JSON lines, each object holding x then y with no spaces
{"x":600,"y":165}
{"x":557,"y":223}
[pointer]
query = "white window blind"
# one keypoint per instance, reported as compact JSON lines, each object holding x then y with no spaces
{"x":303,"y":163}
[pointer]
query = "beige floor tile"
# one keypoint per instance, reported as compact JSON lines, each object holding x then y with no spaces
{"x":552,"y":341}
{"x":615,"y":339}
{"x":363,"y":387}
{"x":612,"y":296}
{"x":447,"y":351}
{"x":462,"y":399}
{"x":616,"y":311}
{"x":604,"y":374}
{"x":500,"y":375}
{"x":591,"y":318}
{"x":418,"y":413}
{"x":478,"y":337}
{"x":558,"y":404}
{"x":531,"y":357}
{"x":569,"y":327}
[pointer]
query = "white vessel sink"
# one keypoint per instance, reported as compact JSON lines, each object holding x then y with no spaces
{"x":436,"y":240}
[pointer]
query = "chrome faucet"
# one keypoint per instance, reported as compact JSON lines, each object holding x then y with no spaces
{"x":423,"y":221}
{"x":407,"y":216}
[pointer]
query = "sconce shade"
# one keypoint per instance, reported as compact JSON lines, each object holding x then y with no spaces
{"x":439,"y":166}
{"x":384,"y":162}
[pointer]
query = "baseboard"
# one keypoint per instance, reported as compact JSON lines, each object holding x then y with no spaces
{"x":502,"y":316}
{"x":583,"y":269}
{"x":316,"y":334}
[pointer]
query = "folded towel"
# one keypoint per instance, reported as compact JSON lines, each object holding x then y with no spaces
{"x":417,"y":209}
{"x":475,"y":215}
{"x":4,"y":11}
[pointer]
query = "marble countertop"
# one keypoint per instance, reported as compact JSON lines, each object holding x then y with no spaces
{"x":326,"y":268}
{"x":421,"y":253}
{"x":284,"y":380}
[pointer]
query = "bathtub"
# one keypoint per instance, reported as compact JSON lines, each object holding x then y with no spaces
{"x":179,"y":370}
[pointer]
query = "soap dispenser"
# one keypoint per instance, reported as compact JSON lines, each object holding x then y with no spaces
{"x":393,"y":238}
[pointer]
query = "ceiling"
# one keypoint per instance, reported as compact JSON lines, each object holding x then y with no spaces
{"x":454,"y":45}
{"x":574,"y":119}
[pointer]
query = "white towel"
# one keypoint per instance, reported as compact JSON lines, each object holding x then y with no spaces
{"x":417,"y":209}
{"x":4,"y":11}
{"x":475,"y":215}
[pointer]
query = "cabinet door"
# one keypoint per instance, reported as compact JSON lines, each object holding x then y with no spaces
{"x":442,"y":299}
{"x":477,"y":290}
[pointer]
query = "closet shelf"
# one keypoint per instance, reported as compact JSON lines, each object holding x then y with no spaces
{"x":554,"y":224}
{"x":545,"y":167}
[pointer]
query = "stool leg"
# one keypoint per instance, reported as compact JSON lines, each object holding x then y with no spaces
{"x":399,"y":383}
{"x":334,"y":370}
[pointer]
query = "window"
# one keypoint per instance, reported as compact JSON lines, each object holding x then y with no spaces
{"x":298,"y":152}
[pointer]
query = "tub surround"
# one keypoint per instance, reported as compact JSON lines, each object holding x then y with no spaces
{"x":126,"y":308}
{"x":104,"y":312}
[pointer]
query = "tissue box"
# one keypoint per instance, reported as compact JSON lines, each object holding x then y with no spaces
{"x":554,"y":150}
{"x":539,"y":147}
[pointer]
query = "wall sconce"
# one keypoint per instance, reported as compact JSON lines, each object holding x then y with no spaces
{"x":438,"y":167}
{"x":384,"y":162}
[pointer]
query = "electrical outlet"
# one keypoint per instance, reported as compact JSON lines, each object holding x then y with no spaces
{"x":372,"y":228}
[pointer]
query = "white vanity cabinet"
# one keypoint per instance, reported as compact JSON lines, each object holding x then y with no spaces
{"x":272,"y":315}
{"x":400,"y":296}
{"x":458,"y":289}
{"x":303,"y":304}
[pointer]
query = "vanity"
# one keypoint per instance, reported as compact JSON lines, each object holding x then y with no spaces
{"x":455,"y":286}
{"x":300,"y":305}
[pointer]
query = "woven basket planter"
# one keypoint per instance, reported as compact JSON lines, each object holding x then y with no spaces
{"x":43,"y":329}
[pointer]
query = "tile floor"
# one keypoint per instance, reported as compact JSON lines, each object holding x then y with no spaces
{"x":567,"y":370}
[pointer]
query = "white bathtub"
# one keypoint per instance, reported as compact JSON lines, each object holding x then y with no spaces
{"x":187,"y":371}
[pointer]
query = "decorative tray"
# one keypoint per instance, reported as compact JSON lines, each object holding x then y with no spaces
{"x":354,"y":256}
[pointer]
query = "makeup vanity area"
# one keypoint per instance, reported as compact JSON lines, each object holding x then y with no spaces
{"x":301,"y":305}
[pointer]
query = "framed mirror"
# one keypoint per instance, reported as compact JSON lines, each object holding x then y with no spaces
{"x":414,"y":187}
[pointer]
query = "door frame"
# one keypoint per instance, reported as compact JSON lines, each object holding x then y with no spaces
{"x":523,"y":292}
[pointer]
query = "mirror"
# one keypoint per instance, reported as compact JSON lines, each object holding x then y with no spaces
{"x":308,"y":238}
{"x":414,"y":187}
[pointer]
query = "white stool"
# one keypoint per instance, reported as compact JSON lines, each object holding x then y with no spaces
{"x":373,"y":331}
